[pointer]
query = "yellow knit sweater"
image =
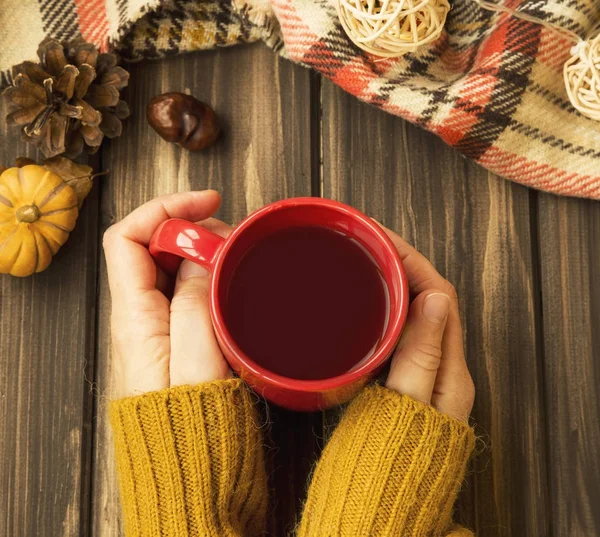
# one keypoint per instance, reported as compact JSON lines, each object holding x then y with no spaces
{"x":190,"y":464}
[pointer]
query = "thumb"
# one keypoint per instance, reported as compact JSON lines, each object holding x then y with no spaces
{"x":195,"y":353}
{"x":417,"y":359}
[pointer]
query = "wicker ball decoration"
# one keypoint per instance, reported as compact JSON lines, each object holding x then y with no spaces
{"x":391,"y":28}
{"x":582,"y":77}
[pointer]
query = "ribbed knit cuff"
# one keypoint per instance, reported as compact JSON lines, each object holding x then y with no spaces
{"x":392,"y":467}
{"x":190,"y":462}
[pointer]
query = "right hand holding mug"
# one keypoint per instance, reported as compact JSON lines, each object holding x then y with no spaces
{"x":429,"y":363}
{"x":402,"y":463}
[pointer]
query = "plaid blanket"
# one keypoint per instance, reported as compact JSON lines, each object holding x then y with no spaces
{"x":491,"y":86}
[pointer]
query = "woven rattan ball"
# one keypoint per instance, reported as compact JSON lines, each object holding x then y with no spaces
{"x":390,"y":28}
{"x":582,"y":77}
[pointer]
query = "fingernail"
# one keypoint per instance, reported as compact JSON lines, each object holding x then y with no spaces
{"x":189,"y":269}
{"x":436,"y":307}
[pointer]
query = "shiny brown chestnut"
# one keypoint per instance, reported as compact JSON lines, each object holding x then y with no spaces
{"x":183,"y":119}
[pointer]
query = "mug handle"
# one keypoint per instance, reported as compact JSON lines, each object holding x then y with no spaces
{"x":175,"y":240}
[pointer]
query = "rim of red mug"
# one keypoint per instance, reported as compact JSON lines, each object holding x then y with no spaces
{"x":370,"y":364}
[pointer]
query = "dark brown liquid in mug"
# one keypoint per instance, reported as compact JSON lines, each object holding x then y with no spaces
{"x":306,"y":303}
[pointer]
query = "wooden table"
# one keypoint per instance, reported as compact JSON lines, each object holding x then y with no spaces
{"x":526,"y":266}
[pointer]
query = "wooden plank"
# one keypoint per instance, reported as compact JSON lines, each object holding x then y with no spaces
{"x":46,"y":357}
{"x":475,"y":228}
{"x":264,"y":155}
{"x":569,"y":241}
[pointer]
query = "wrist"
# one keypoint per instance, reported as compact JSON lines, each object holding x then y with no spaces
{"x":393,"y":467}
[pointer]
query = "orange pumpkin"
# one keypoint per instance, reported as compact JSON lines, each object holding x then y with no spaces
{"x":38,"y":210}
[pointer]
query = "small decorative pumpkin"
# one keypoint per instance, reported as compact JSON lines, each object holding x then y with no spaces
{"x":38,"y":210}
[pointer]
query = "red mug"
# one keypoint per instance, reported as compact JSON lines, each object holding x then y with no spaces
{"x":176,"y":239}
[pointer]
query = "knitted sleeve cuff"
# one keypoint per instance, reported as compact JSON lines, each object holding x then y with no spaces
{"x":392,"y":467}
{"x":190,"y":462}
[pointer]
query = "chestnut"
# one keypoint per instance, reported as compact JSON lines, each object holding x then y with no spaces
{"x":183,"y":119}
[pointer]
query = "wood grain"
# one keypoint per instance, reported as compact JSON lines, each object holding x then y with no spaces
{"x":475,"y":228}
{"x":46,"y":359}
{"x":569,"y":239}
{"x":264,"y":155}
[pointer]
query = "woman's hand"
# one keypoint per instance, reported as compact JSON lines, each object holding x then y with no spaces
{"x":157,"y":342}
{"x":429,"y":363}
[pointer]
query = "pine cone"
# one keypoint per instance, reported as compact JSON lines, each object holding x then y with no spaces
{"x":70,"y":99}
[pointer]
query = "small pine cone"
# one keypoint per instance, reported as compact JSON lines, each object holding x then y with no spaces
{"x":69,"y":100}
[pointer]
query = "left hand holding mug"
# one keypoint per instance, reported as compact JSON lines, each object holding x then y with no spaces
{"x":157,"y":342}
